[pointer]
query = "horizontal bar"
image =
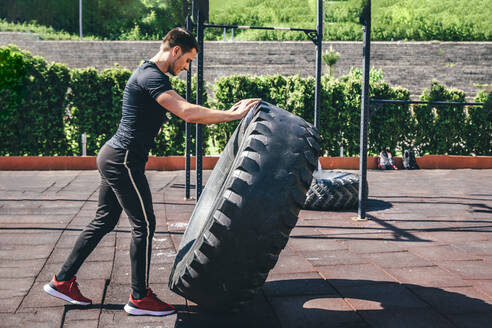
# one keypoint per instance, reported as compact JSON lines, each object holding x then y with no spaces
{"x":242,"y":27}
{"x":443,"y":103}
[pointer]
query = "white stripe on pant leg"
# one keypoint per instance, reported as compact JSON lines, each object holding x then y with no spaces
{"x":146,"y":221}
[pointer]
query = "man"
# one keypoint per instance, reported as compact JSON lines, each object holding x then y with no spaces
{"x":121,"y":163}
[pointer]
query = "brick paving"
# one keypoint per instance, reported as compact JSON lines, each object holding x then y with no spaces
{"x":422,"y":259}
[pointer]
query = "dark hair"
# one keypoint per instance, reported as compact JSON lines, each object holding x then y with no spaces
{"x":180,"y":37}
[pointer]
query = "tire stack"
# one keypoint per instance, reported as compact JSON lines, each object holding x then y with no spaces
{"x":246,"y":211}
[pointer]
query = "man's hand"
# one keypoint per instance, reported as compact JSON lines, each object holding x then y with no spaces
{"x":192,"y":113}
{"x":241,"y":108}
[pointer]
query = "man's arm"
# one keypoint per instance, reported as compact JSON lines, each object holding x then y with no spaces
{"x":192,"y":113}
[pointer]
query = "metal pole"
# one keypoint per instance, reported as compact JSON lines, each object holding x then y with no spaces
{"x":80,"y":18}
{"x":84,"y":144}
{"x":319,"y":42}
{"x":364,"y":113}
{"x":189,"y":26}
{"x":199,"y":101}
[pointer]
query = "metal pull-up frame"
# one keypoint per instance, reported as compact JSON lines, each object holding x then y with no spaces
{"x":199,"y":6}
{"x":366,"y":102}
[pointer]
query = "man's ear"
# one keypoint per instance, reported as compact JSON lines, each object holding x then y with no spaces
{"x":175,"y":50}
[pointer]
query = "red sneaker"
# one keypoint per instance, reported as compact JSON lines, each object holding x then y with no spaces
{"x":66,"y":290}
{"x":149,"y":305}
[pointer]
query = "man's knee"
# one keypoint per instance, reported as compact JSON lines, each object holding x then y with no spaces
{"x":102,"y":226}
{"x":147,"y":227}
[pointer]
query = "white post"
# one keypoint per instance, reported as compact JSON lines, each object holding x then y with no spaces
{"x":84,"y":144}
{"x":80,"y":18}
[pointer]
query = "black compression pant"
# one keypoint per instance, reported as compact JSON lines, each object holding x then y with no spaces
{"x":123,"y":186}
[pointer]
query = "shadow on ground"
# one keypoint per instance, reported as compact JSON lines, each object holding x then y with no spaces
{"x":297,"y":303}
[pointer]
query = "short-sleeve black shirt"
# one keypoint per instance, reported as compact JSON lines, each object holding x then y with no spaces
{"x":142,"y":116}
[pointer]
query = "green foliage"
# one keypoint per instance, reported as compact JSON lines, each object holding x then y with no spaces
{"x":479,"y":125}
{"x":13,"y":69}
{"x":446,"y":20}
{"x":390,"y":124}
{"x":287,"y":13}
{"x":33,"y":93}
{"x":96,"y":101}
{"x":46,"y":107}
{"x":105,"y":19}
{"x":44,"y":32}
{"x":441,"y":129}
{"x":340,"y":108}
{"x":330,"y":57}
{"x":95,"y":106}
{"x":151,"y":25}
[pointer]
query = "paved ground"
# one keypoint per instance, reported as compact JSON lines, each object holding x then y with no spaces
{"x":423,"y":259}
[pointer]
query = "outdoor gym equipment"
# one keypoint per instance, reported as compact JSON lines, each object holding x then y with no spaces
{"x":250,"y":204}
{"x":332,"y":190}
{"x":366,"y":102}
{"x":200,"y":15}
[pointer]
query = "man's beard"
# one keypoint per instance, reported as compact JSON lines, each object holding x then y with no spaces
{"x":172,"y":68}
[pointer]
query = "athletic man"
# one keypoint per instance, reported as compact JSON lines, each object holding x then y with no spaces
{"x":121,"y":163}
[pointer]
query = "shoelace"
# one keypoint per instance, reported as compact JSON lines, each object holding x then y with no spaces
{"x":74,"y":287}
{"x":154,"y":296}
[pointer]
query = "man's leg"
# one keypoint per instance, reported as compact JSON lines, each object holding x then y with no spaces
{"x":107,"y":216}
{"x":133,"y":192}
{"x":64,"y":285}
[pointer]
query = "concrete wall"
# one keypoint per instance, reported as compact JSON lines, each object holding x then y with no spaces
{"x":412,"y":65}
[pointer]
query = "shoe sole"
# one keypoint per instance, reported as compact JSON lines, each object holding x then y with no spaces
{"x":134,"y":311}
{"x":53,"y":292}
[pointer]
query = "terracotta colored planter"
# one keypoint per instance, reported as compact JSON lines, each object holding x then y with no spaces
{"x":18,"y":163}
{"x":454,"y":162}
{"x":171,"y":163}
{"x":424,"y":162}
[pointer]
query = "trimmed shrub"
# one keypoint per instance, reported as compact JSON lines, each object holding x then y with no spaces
{"x":440,"y":129}
{"x":95,"y":106}
{"x":33,"y":95}
{"x":479,"y":125}
{"x":46,"y":107}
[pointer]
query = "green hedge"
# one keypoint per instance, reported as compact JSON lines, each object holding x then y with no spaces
{"x":32,"y":102}
{"x":46,"y":107}
{"x":479,"y":125}
{"x":95,"y":106}
{"x":441,"y":129}
{"x":340,"y":102}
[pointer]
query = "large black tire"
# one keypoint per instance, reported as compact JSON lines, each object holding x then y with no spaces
{"x":332,"y":190}
{"x":247,"y":210}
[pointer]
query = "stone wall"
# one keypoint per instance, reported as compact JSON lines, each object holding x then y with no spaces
{"x":412,"y":65}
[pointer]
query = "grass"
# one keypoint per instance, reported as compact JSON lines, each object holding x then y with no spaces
{"x":446,"y":20}
{"x":44,"y":32}
{"x":449,"y":20}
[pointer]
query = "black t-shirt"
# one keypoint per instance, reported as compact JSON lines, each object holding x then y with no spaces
{"x":142,"y":116}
